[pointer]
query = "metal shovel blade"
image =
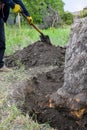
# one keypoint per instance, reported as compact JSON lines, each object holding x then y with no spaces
{"x":45,"y":38}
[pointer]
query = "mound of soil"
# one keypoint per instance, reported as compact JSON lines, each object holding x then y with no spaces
{"x":37,"y":54}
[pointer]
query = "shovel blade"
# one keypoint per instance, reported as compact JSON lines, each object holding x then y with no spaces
{"x":46,"y":39}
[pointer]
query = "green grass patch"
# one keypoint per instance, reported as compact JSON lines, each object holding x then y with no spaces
{"x":18,"y":38}
{"x":16,"y":120}
{"x":11,"y":117}
{"x":59,"y":37}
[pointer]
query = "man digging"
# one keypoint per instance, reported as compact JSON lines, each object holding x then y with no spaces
{"x":5,"y":5}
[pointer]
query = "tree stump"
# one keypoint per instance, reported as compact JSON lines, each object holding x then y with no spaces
{"x":73,"y":94}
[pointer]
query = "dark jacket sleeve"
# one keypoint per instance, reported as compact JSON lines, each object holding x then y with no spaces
{"x":11,"y":3}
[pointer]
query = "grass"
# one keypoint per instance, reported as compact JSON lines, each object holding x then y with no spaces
{"x":60,"y":36}
{"x":10,"y":116}
{"x":18,"y":38}
{"x":15,"y":120}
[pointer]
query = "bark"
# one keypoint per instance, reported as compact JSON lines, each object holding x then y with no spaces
{"x":73,"y":94}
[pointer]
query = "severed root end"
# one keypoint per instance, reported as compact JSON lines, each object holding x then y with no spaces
{"x":79,"y":113}
{"x":75,"y":105}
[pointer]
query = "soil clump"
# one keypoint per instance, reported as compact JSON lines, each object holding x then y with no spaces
{"x":37,"y":54}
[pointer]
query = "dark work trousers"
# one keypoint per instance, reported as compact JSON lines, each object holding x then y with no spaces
{"x":2,"y":42}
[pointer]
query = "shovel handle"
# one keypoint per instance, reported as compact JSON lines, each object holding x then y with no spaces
{"x":36,"y":28}
{"x":32,"y":24}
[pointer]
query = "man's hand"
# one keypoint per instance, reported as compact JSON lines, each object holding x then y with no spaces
{"x":17,"y":8}
{"x":30,"y":20}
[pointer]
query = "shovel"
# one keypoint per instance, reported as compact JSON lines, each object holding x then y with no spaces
{"x":44,"y":38}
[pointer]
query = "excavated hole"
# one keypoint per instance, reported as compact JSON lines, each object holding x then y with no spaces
{"x":34,"y":95}
{"x":37,"y":103}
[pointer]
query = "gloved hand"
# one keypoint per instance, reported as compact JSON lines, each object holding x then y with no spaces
{"x":17,"y":8}
{"x":30,"y":20}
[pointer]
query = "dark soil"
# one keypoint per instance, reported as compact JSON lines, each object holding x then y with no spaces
{"x":37,"y":102}
{"x":41,"y":86}
{"x":37,"y":54}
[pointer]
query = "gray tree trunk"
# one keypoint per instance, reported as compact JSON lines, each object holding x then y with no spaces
{"x":51,"y":18}
{"x":73,"y":94}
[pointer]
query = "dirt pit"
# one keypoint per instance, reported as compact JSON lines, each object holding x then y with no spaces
{"x":35,"y":92}
{"x":37,"y":103}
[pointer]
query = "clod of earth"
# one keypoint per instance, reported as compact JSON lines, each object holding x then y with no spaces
{"x":37,"y":54}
